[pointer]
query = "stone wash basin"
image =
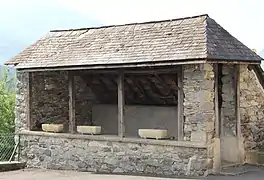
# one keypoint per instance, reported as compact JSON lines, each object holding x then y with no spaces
{"x":52,"y":128}
{"x":153,"y":133}
{"x":89,"y":129}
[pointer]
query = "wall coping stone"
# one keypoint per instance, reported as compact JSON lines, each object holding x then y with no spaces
{"x":113,"y":138}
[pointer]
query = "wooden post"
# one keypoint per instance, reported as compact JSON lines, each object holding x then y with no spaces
{"x":121,"y":124}
{"x":240,"y":144}
{"x":29,"y":101}
{"x":237,"y":99}
{"x":180,"y":104}
{"x":72,"y":123}
{"x":216,"y":101}
{"x":217,"y":141}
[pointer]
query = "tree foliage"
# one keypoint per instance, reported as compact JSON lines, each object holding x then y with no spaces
{"x":7,"y":104}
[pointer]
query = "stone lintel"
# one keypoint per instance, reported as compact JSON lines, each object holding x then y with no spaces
{"x":112,"y":138}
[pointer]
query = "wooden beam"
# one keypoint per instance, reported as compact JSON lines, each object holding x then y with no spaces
{"x":140,"y":89}
{"x":180,"y":104}
{"x":240,"y":143}
{"x":112,"y":66}
{"x":72,"y":120}
{"x":158,"y":93}
{"x":231,"y":62}
{"x":94,"y":88}
{"x":138,"y":71}
{"x":132,"y":97}
{"x":216,"y":101}
{"x":237,"y":99}
{"x":149,"y":97}
{"x":120,"y":92}
{"x":29,"y":101}
{"x":167,"y":85}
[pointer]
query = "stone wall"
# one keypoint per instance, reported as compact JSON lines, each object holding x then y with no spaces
{"x":50,"y":99}
{"x":21,"y":101}
{"x":111,"y":156}
{"x":198,"y":87}
{"x":251,"y":110}
{"x":50,"y":104}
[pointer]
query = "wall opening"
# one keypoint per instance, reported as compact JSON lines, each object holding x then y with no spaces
{"x":150,"y":100}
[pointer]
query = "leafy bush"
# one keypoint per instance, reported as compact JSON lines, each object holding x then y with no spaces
{"x":7,"y":104}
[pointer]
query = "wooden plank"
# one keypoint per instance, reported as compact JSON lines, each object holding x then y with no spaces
{"x":180,"y":103}
{"x":29,"y":101}
{"x":240,"y":143}
{"x":216,"y":101}
{"x":134,"y":71}
{"x":237,"y":99}
{"x":140,"y":88}
{"x":72,"y":120}
{"x":111,"y":66}
{"x":121,"y":103}
{"x":231,"y":62}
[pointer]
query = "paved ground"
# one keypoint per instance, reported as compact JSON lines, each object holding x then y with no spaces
{"x":37,"y":174}
{"x":246,"y":176}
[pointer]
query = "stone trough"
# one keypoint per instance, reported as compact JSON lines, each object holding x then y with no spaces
{"x":89,"y":129}
{"x":153,"y":133}
{"x":53,"y":128}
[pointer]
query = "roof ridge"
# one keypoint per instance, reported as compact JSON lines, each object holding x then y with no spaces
{"x":126,"y":24}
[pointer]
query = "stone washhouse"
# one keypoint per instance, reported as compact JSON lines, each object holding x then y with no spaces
{"x":187,"y":77}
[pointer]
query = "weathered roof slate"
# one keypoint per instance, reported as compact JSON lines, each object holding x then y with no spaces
{"x":191,"y":38}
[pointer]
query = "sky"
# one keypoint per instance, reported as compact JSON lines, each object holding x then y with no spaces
{"x":22,"y":22}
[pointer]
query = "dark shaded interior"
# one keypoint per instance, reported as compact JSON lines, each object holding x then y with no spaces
{"x":140,"y":89}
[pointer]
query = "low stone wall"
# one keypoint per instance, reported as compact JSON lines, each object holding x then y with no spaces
{"x":112,"y":154}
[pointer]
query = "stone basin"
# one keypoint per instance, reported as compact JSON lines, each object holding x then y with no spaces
{"x":53,"y":128}
{"x":153,"y":133}
{"x":89,"y":129}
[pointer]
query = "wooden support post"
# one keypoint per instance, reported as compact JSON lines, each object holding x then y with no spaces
{"x":217,"y":140}
{"x":237,"y":99}
{"x":216,"y":101}
{"x":180,"y":104}
{"x":29,"y":101}
{"x":240,"y":144}
{"x":72,"y":123}
{"x":121,"y":123}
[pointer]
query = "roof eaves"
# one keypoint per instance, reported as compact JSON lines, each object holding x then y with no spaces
{"x":232,"y":61}
{"x":24,"y":66}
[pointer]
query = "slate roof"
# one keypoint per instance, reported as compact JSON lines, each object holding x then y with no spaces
{"x":184,"y":39}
